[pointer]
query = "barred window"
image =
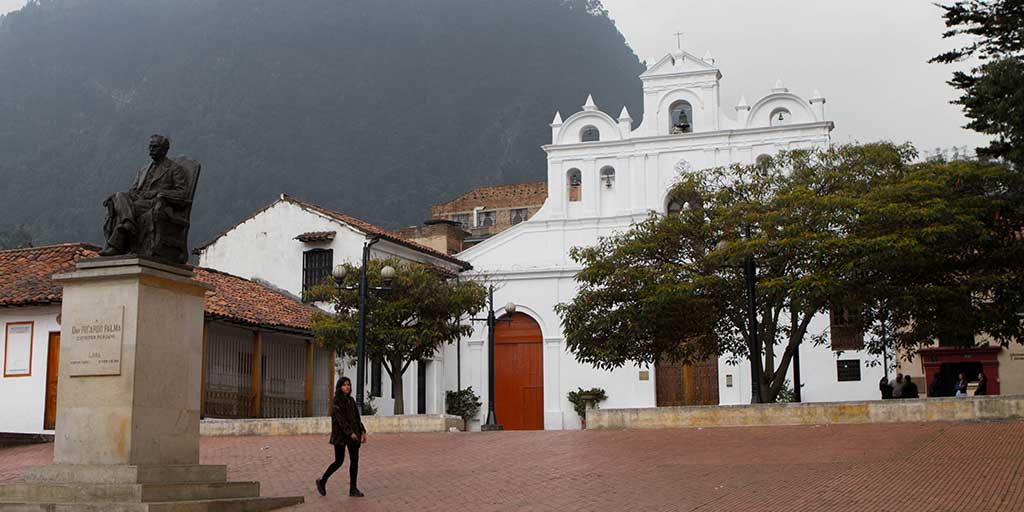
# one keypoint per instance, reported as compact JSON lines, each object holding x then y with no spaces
{"x":846,"y":332}
{"x":461,"y":218}
{"x":316,"y":265}
{"x":848,"y":370}
{"x":517,"y":215}
{"x":486,"y":219}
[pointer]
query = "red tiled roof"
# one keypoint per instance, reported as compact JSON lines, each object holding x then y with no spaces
{"x":515,"y":195}
{"x":25,"y":274}
{"x":241,"y":300}
{"x":366,"y":227}
{"x":317,"y":236}
{"x":26,"y":280}
{"x":361,"y":225}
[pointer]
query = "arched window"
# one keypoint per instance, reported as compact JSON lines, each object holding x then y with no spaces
{"x":780,"y":117}
{"x":590,"y":133}
{"x":676,"y":205}
{"x":681,"y":117}
{"x":608,"y":176}
{"x":575,"y":181}
{"x":762,"y":160}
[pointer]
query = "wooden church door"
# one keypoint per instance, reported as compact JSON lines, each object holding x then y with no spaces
{"x":519,"y":373}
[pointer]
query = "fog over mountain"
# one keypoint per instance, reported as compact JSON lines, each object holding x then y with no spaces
{"x":375,"y":108}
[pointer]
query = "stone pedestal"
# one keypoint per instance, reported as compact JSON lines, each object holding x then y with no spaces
{"x":127,"y":435}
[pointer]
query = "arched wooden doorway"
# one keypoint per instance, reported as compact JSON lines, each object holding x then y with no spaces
{"x":519,"y":373}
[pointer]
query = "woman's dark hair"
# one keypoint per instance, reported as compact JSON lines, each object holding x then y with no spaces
{"x":337,"y":389}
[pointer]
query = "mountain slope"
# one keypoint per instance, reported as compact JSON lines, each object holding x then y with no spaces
{"x":375,"y":108}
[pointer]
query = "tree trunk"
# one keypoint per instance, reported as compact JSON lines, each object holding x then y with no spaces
{"x":397,"y":386}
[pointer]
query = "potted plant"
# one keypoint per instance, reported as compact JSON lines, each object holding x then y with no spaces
{"x":583,"y":399}
{"x":463,"y":403}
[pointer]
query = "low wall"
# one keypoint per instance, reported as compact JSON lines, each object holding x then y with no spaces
{"x":877,"y":411}
{"x":322,"y":425}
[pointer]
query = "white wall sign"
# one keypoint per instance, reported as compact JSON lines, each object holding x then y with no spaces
{"x":18,"y":349}
{"x":94,"y":347}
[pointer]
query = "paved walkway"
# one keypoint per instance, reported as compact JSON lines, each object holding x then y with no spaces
{"x":908,"y":467}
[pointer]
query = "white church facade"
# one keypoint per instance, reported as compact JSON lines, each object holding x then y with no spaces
{"x":603,"y":175}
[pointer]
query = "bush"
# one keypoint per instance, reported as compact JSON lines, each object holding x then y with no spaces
{"x":575,"y":397}
{"x":464,"y":403}
{"x":786,"y":394}
{"x":368,"y":408}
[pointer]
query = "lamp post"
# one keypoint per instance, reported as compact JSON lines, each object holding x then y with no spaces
{"x":387,"y":274}
{"x":753,"y":341}
{"x":492,"y":419}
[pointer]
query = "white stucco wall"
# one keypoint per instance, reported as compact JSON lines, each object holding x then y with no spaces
{"x":817,"y":373}
{"x":23,"y":399}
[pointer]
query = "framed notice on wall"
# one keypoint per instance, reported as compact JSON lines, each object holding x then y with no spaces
{"x":18,"y":349}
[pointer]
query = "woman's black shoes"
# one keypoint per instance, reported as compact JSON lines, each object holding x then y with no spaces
{"x":355,"y":493}
{"x":321,"y":488}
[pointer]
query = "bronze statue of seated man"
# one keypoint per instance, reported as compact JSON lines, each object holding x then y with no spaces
{"x":130,"y":215}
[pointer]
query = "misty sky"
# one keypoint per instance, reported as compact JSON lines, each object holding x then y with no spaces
{"x":867,"y":57}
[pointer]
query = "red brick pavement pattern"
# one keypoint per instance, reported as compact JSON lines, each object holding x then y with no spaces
{"x":933,"y":467}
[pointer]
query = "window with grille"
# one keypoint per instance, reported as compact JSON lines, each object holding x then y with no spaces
{"x":517,"y":215}
{"x":316,"y":265}
{"x":848,"y":370}
{"x":486,"y":219}
{"x":461,"y":218}
{"x":845,"y":328}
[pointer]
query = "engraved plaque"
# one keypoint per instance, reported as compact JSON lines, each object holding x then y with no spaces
{"x":95,"y":344}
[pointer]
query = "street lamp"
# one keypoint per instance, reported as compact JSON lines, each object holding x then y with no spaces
{"x":387,"y":274}
{"x":754,"y":342}
{"x":492,"y":321}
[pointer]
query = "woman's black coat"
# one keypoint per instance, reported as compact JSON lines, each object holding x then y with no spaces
{"x":345,"y":420}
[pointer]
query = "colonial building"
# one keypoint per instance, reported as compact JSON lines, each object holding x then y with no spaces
{"x":293,"y":244}
{"x":245,"y":323}
{"x":477,"y":215}
{"x":603,"y":175}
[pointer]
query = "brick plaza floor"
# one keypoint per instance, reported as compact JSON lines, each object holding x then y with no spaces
{"x":896,"y":467}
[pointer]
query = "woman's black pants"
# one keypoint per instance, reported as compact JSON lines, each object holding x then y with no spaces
{"x":339,"y":458}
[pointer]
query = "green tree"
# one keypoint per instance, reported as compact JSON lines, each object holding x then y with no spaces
{"x":668,"y":288}
{"x":993,"y":98}
{"x":935,"y":253}
{"x":420,"y":314}
{"x":923,"y":251}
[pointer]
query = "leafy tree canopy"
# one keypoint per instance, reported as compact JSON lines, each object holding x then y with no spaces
{"x":416,"y":317}
{"x":849,"y":225}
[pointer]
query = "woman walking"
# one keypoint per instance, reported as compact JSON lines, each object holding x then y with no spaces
{"x":346,"y":430}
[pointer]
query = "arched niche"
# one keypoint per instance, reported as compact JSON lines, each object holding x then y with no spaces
{"x":574,"y":185}
{"x":799,"y":111}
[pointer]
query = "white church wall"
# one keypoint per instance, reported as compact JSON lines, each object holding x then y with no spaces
{"x":531,"y":260}
{"x":817,"y":373}
{"x":23,"y":397}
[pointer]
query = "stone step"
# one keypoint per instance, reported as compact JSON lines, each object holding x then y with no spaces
{"x":126,"y":474}
{"x":220,"y":505}
{"x":139,"y":493}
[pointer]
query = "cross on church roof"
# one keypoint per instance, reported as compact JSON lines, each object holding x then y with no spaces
{"x":679,"y":40}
